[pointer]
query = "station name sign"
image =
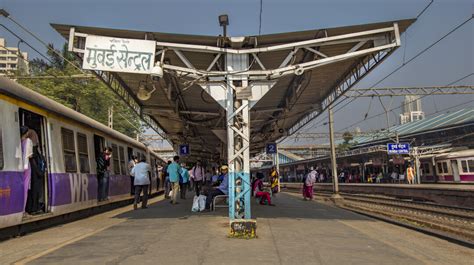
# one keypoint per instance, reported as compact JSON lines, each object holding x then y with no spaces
{"x":119,"y":55}
{"x":398,"y":149}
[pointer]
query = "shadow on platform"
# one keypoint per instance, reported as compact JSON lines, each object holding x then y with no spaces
{"x":287,"y":206}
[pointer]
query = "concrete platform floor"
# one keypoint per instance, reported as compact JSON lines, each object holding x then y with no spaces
{"x":293,"y":232}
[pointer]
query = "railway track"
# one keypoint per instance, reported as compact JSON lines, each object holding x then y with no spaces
{"x":449,"y":222}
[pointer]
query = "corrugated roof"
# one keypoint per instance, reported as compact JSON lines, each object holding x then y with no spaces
{"x":441,"y":121}
{"x":317,"y":84}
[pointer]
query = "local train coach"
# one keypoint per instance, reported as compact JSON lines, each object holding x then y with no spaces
{"x":67,"y":146}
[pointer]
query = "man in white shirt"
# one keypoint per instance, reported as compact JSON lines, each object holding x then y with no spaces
{"x":197,"y":175}
{"x":141,"y":172}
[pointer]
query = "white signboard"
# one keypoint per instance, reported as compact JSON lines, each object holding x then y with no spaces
{"x":119,"y":55}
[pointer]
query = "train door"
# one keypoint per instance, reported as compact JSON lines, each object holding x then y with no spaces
{"x":455,"y":169}
{"x":129,"y":153}
{"x":37,"y":196}
{"x":99,"y":145}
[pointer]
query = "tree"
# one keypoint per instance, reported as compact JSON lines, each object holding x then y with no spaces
{"x":89,"y":96}
{"x":346,"y":145}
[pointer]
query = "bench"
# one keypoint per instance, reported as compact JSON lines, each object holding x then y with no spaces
{"x":220,"y":197}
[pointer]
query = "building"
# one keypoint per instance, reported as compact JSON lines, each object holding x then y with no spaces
{"x":12,"y":59}
{"x":411,"y":110}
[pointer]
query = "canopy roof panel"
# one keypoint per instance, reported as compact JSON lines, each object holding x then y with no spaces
{"x":186,"y":113}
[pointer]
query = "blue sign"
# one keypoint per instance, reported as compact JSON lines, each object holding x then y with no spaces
{"x":271,"y":148}
{"x":398,"y":149}
{"x":184,"y":149}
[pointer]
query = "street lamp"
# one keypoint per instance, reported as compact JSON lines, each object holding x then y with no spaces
{"x":224,"y":22}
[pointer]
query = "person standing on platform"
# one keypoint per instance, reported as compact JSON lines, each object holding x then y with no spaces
{"x":141,"y":172}
{"x":167,"y":184}
{"x":198,"y":176}
{"x":183,"y":181}
{"x":131,"y":164}
{"x":410,"y":174}
{"x":308,"y":184}
{"x":275,"y":181}
{"x":222,"y":189}
{"x":173,"y":172}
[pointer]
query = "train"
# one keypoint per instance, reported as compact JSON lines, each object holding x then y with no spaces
{"x":453,"y":165}
{"x":69,"y":143}
{"x":450,"y":167}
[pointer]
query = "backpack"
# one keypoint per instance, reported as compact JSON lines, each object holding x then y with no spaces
{"x":101,"y":163}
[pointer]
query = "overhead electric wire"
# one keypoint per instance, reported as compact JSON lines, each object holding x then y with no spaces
{"x":382,"y":113}
{"x":400,"y":67}
{"x":45,"y":44}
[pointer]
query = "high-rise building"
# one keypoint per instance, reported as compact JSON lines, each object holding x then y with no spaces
{"x":411,"y":109}
{"x":12,"y":59}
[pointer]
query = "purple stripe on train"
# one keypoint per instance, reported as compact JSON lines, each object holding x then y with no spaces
{"x":11,"y":192}
{"x":67,"y":188}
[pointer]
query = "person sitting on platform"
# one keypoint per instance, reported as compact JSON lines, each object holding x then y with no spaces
{"x":258,"y":191}
{"x":222,"y":189}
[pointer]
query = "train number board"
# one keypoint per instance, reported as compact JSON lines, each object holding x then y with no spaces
{"x":398,"y":149}
{"x":184,"y":149}
{"x":271,"y":148}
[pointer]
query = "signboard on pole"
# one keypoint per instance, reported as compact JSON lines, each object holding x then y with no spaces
{"x":119,"y":55}
{"x":184,"y":149}
{"x":398,"y":149}
{"x":271,"y":148}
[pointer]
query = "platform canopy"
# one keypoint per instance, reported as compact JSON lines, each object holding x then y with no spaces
{"x":304,"y":71}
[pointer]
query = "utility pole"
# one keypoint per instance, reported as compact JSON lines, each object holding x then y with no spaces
{"x":111,"y":117}
{"x":335,"y":181}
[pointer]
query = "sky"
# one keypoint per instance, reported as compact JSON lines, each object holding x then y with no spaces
{"x":447,"y":61}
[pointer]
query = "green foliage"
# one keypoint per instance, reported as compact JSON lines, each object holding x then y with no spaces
{"x":86,"y":95}
{"x":346,"y":145}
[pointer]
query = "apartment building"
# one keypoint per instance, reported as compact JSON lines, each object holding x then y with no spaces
{"x":12,"y":59}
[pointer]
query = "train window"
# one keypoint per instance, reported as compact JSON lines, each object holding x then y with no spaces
{"x":69,"y":150}
{"x":464,"y":166}
{"x":470,"y":164}
{"x":122,"y":160}
{"x":445,"y":167}
{"x":440,"y":169}
{"x":115,"y":157}
{"x":83,"y":153}
{"x":1,"y":150}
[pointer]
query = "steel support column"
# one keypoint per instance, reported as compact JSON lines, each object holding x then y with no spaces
{"x":335,"y":181}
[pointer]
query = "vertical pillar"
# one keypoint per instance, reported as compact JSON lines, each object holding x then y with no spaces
{"x":238,"y":139}
{"x":335,"y":181}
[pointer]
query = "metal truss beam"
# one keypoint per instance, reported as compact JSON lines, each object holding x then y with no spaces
{"x":360,"y":70}
{"x":407,"y":91}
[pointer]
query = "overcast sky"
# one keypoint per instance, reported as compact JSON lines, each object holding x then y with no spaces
{"x":449,"y":60}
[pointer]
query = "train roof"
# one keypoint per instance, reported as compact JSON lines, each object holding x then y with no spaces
{"x":20,"y":92}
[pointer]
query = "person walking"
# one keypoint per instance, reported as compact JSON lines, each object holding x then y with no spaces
{"x":183,"y":181}
{"x":131,"y":164}
{"x":198,"y":175}
{"x":141,"y":173}
{"x":308,"y":184}
{"x":173,"y":173}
